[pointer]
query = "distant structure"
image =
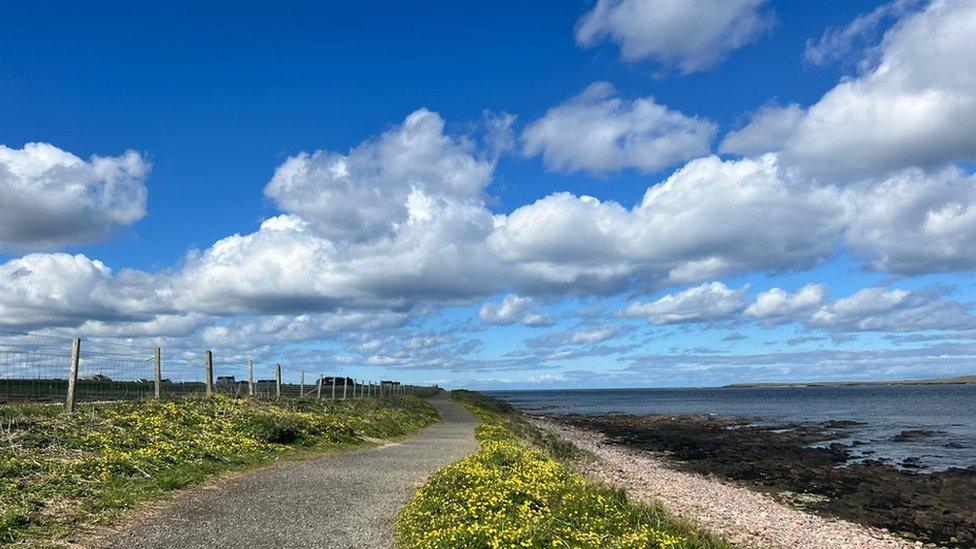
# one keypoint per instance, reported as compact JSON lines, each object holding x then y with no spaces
{"x":98,"y":377}
{"x":327,"y":380}
{"x":225,"y":380}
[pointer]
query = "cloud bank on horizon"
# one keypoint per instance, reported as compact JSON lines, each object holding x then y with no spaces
{"x":394,"y":250}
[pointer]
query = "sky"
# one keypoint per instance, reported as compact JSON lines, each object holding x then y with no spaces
{"x":609,"y":193}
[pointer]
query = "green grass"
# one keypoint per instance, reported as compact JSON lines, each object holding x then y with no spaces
{"x":520,"y":490}
{"x":60,"y":471}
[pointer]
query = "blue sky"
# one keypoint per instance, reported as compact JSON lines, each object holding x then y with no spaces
{"x":217,"y":99}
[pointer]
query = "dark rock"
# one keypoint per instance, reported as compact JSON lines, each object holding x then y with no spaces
{"x":916,"y":434}
{"x":841,"y":424}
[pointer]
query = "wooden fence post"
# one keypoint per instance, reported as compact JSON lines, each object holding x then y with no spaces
{"x":208,"y":378}
{"x":69,"y":403}
{"x":318,"y":390}
{"x":301,"y":385}
{"x":345,"y":381}
{"x":277,"y":380}
{"x":158,"y":373}
{"x":250,"y":378}
{"x":333,"y":387}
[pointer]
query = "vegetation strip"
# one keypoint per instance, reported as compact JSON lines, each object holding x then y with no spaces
{"x":59,"y":471}
{"x":518,"y":490}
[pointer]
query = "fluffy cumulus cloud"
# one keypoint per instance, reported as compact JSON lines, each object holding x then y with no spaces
{"x":866,"y":310}
{"x":778,"y":304}
{"x":709,"y":218}
{"x":767,"y":129}
{"x":513,"y":309}
{"x":707,"y":302}
{"x":43,"y":290}
{"x":877,"y":309}
{"x":368,"y":192}
{"x":915,"y":222}
{"x":691,"y":35}
{"x":287,"y":267}
{"x":915,"y":106}
{"x":51,"y":198}
{"x":599,"y":132}
{"x":397,"y":221}
{"x":421,"y":240}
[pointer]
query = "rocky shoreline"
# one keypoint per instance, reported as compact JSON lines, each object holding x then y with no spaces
{"x":779,"y":461}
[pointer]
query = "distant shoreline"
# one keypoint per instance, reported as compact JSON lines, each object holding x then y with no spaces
{"x":959,"y":380}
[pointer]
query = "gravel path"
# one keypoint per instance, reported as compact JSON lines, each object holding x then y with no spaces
{"x":346,"y":500}
{"x":743,"y":516}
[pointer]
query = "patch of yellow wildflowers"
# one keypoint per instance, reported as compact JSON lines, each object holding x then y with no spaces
{"x":508,"y":494}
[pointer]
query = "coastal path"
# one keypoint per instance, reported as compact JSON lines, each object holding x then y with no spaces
{"x":346,"y":500}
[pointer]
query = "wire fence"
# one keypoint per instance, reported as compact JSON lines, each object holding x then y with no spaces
{"x":43,"y":368}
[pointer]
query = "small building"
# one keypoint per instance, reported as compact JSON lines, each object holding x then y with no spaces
{"x":339,"y":381}
{"x":225,"y":380}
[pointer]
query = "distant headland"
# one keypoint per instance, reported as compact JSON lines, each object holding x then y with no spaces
{"x":958,"y":380}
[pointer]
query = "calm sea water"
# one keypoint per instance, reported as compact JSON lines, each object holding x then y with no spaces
{"x":886,"y":411}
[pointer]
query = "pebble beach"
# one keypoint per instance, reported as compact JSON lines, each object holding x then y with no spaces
{"x":745,"y":517}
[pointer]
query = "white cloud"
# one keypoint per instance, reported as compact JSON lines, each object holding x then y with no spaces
{"x":867,"y":310}
{"x":776,"y":303}
{"x":914,"y":107}
{"x":766,"y":131}
{"x":368,"y":193}
{"x":707,"y":302}
{"x":840,"y":42}
{"x":51,"y":198}
{"x":915,"y":222}
{"x":286,"y":267}
{"x":598,"y":132}
{"x":513,"y":309}
{"x":397,"y":222}
{"x":877,"y":309}
{"x":41,"y":290}
{"x":691,"y":35}
{"x":709,"y":218}
{"x":585,"y":335}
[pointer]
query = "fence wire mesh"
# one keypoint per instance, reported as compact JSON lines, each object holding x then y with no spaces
{"x":37,"y":368}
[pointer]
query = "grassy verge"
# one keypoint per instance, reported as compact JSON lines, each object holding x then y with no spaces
{"x":59,"y":471}
{"x":519,"y":490}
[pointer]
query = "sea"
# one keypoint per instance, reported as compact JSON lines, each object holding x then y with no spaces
{"x":948,"y":412}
